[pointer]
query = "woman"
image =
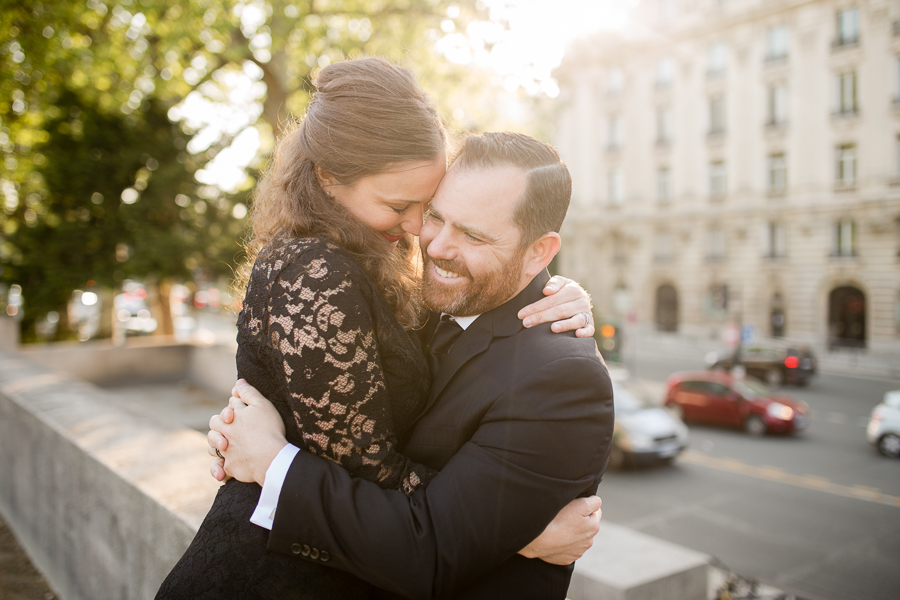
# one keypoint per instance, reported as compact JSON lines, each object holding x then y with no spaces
{"x":326,"y":328}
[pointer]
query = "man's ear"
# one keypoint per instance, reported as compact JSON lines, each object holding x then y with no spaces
{"x":541,"y":252}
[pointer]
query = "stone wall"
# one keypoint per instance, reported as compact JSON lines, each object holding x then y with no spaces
{"x":103,"y":501}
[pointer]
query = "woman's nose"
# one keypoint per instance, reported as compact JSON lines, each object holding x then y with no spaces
{"x":413,"y":218}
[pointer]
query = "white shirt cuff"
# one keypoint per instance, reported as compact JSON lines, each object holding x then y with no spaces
{"x":264,"y":515}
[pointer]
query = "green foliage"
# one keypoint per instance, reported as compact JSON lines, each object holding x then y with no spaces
{"x":97,"y":182}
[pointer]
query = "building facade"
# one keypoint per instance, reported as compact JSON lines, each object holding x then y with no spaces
{"x":737,"y":163}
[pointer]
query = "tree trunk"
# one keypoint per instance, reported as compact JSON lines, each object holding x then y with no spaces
{"x":165,"y":325}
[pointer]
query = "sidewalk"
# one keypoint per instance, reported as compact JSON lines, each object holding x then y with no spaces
{"x":19,"y":580}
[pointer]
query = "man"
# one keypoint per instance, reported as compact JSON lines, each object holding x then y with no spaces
{"x":519,"y":421}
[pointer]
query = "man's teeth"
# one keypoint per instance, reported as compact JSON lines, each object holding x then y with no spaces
{"x":447,"y":274}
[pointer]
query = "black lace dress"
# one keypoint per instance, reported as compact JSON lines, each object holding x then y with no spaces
{"x":318,"y":339}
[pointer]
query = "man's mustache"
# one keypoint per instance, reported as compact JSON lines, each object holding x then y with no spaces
{"x":454,"y":266}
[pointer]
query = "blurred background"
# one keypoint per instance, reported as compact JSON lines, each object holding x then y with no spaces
{"x":735,"y":216}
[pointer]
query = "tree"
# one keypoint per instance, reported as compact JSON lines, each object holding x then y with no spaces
{"x":97,"y":182}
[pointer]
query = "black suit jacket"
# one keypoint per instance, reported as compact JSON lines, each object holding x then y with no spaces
{"x":519,"y":421}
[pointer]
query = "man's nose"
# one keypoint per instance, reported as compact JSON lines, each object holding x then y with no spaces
{"x":442,"y":246}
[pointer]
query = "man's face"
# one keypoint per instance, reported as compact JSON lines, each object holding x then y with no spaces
{"x":470,"y":245}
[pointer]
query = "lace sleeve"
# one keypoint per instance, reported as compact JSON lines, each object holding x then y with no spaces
{"x":321,"y":332}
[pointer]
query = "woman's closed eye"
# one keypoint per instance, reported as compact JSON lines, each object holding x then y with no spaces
{"x":400,"y":211}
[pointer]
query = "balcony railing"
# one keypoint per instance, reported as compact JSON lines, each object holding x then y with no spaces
{"x":840,"y":43}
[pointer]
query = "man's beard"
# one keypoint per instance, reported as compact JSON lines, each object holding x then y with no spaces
{"x":478,"y":294}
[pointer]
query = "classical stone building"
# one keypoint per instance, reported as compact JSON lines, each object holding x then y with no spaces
{"x":738,"y":162}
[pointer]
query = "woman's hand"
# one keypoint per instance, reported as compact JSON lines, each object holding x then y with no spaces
{"x":569,"y":535}
{"x":248,"y":433}
{"x":567,"y":304}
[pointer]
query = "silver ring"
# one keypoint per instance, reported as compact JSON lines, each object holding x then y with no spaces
{"x":219,"y":454}
{"x":587,"y":318}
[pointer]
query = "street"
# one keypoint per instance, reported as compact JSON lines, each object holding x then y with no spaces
{"x":817,"y":514}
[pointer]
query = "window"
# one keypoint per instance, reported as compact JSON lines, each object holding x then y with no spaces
{"x":774,"y":245}
{"x":847,"y":26}
{"x":897,"y":80}
{"x":663,"y":185}
{"x":843,"y":238}
{"x":620,"y":251}
{"x":615,"y":82}
{"x":716,"y":243}
{"x":667,"y":10}
{"x":897,"y":314}
{"x":717,"y":179}
{"x":716,"y":59}
{"x":616,"y":187}
{"x":665,"y":72}
{"x":846,"y":165}
{"x":717,"y":115}
{"x":777,"y":177}
{"x":621,"y":300}
{"x":777,"y":101}
{"x":613,"y":132}
{"x":777,"y":43}
{"x":664,"y":249}
{"x":897,"y":157}
{"x":845,"y":93}
{"x":716,"y":302}
{"x":663,"y":125}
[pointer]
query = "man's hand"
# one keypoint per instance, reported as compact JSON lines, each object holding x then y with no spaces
{"x":569,"y":535}
{"x":566,"y":303}
{"x":249,"y":433}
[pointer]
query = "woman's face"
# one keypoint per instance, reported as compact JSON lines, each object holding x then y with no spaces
{"x":392,"y":203}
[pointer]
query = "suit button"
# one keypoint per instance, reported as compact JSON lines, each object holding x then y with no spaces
{"x":305,"y":551}
{"x":295,"y":548}
{"x":314,"y":554}
{"x":325,"y":556}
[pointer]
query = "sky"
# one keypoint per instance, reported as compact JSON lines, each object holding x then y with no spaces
{"x":524,"y":54}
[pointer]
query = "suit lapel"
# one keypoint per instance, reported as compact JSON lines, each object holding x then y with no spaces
{"x":502,"y":321}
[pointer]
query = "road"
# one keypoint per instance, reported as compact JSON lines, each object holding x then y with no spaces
{"x":816,"y":514}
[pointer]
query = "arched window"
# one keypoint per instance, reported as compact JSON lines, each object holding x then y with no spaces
{"x":666,"y":308}
{"x":846,"y":318}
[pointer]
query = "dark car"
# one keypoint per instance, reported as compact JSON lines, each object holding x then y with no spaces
{"x":773,"y":364}
{"x":719,"y":398}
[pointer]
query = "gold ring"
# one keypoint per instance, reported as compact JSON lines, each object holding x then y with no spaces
{"x":219,"y":454}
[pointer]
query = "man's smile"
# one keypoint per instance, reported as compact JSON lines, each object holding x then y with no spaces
{"x":446,"y":274}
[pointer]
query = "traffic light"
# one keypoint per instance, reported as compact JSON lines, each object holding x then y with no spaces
{"x":610,"y":342}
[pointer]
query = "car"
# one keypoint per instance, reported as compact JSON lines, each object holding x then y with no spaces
{"x":644,"y":434}
{"x":719,"y":398}
{"x":884,"y":425}
{"x":772,"y":363}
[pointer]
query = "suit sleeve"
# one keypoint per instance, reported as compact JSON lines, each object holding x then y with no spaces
{"x":542,"y":444}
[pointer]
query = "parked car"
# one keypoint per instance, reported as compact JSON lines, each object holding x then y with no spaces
{"x":772,"y":363}
{"x":644,"y":434}
{"x":884,"y":425}
{"x":719,"y":398}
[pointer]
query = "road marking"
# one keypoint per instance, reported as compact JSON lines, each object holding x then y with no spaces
{"x":810,"y":482}
{"x":837,"y":418}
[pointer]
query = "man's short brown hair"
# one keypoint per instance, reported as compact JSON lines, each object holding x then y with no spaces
{"x":543,"y":206}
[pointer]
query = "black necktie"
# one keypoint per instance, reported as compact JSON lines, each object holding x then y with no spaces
{"x":445,"y":334}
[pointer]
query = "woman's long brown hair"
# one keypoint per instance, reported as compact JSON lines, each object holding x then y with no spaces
{"x":368,"y":117}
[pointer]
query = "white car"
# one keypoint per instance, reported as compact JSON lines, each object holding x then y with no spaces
{"x":644,"y":434}
{"x":884,"y":425}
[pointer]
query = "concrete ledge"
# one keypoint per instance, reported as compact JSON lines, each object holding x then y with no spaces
{"x":141,"y":360}
{"x":628,"y":565}
{"x":103,"y":501}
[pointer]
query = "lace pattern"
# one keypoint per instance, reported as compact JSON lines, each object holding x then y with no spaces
{"x":321,"y":335}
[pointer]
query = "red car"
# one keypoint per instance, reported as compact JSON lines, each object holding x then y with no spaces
{"x":721,"y":399}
